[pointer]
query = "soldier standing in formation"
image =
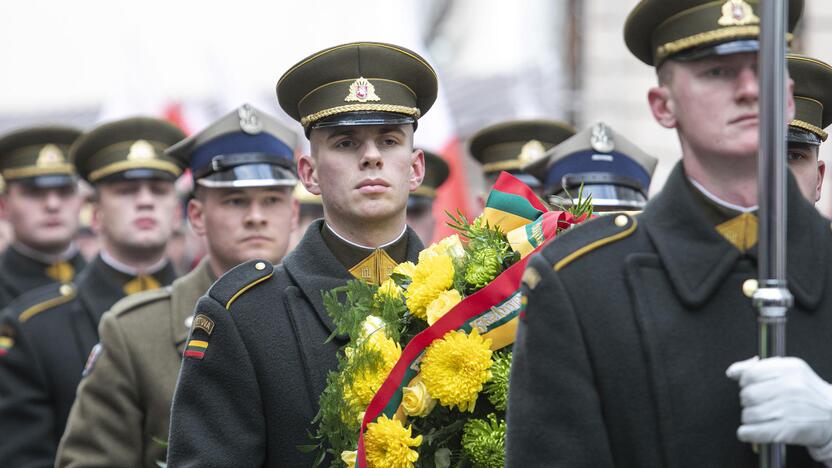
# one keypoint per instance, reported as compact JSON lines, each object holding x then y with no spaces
{"x":813,"y":113}
{"x":52,"y":330}
{"x":41,"y":203}
{"x":631,"y":322}
{"x":248,"y":389}
{"x":243,"y":207}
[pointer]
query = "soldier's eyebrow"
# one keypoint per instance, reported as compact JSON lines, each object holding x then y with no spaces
{"x":391,"y":129}
{"x":345,"y":131}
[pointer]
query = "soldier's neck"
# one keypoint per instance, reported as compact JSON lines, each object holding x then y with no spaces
{"x":366,"y":235}
{"x":146,"y":261}
{"x":58,"y":254}
{"x":731,"y":181}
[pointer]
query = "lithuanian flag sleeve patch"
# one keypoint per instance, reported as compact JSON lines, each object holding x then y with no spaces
{"x":6,"y":344}
{"x":196,"y":349}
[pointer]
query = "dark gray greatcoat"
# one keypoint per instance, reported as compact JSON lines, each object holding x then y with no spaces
{"x":20,"y":273}
{"x":620,"y":358}
{"x":250,"y":400}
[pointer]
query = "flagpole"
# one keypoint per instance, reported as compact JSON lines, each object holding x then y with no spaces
{"x":773,"y":299}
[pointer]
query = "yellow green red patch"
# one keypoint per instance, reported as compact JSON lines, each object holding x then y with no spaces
{"x":196,"y":349}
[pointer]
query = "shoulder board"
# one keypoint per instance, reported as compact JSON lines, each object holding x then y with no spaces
{"x":41,"y":300}
{"x":579,"y":241}
{"x":239,"y":280}
{"x":134,"y":301}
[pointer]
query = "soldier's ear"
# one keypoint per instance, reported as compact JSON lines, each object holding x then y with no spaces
{"x":417,"y":169}
{"x":662,"y":106}
{"x":307,"y":174}
{"x":195,"y":218}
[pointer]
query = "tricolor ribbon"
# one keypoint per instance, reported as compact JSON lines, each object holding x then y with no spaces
{"x":493,"y":310}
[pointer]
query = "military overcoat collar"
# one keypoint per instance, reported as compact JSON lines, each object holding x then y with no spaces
{"x":314,"y":268}
{"x":185,"y":293}
{"x":677,"y":226}
{"x":100,"y":286}
{"x":22,"y":272}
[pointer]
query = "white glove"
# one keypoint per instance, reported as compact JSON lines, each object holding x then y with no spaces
{"x":784,"y":401}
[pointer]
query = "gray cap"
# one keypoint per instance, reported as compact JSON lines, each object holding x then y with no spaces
{"x":244,"y":148}
{"x":614,"y":170}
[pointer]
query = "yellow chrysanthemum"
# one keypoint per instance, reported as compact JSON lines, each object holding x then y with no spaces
{"x":366,"y":382}
{"x":432,"y":276}
{"x":442,"y":304}
{"x":450,"y":246}
{"x":349,"y":457}
{"x":405,"y":268}
{"x":455,"y":368}
{"x":387,"y":444}
{"x":388,"y":288}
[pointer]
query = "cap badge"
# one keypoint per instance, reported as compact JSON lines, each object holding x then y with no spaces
{"x":141,"y":150}
{"x":249,"y":122}
{"x":50,"y":155}
{"x":362,"y":90}
{"x":601,"y":138}
{"x":531,"y":151}
{"x":737,"y":13}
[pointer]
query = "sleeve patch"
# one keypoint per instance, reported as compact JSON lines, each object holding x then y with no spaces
{"x":6,"y":344}
{"x":202,"y":322}
{"x":92,"y":359}
{"x":196,"y":349}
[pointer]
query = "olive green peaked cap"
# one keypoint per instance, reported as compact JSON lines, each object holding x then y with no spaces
{"x":436,"y":173}
{"x":812,"y":96}
{"x":508,"y":146}
{"x":361,"y":83}
{"x":658,"y":29}
{"x":132,"y":148}
{"x":39,"y":155}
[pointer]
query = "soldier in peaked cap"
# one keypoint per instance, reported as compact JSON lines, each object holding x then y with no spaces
{"x":614,"y":171}
{"x":243,"y":208}
{"x":631,"y":321}
{"x":508,"y":146}
{"x":253,"y":379}
{"x":53,"y":330}
{"x":41,"y":203}
{"x":420,"y":204}
{"x":813,"y":113}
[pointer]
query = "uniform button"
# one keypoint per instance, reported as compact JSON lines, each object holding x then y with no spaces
{"x":620,"y":220}
{"x":259,"y":266}
{"x":65,"y":290}
{"x":749,"y":287}
{"x":189,"y":321}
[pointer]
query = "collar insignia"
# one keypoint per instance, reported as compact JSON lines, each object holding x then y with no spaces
{"x":361,"y":90}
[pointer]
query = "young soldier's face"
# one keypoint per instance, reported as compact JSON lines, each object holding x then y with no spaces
{"x":241,"y":224}
{"x":136,"y":216}
{"x":714,"y":105}
{"x":363,"y":172}
{"x":807,"y":170}
{"x":45,"y":219}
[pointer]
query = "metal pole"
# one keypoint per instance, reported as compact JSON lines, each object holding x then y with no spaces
{"x":773,"y":298}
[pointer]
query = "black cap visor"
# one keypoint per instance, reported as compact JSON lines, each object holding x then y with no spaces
{"x":250,"y":175}
{"x":348,"y":119}
{"x":800,"y":136}
{"x":724,"y":48}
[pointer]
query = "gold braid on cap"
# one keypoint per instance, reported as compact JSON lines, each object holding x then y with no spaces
{"x":34,"y":171}
{"x":502,"y":165}
{"x":410,"y":111}
{"x":809,"y":128}
{"x":708,"y":37}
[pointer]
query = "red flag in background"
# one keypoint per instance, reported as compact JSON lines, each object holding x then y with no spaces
{"x":453,"y":195}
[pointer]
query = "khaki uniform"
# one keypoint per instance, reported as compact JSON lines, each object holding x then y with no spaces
{"x":142,"y":339}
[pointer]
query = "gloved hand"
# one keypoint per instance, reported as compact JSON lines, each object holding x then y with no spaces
{"x":784,"y":401}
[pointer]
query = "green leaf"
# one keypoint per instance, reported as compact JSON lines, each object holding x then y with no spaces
{"x":307,"y":448}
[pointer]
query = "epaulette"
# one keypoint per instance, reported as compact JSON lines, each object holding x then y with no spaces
{"x":239,"y":280}
{"x":581,"y":240}
{"x":40,"y":300}
{"x":134,"y":301}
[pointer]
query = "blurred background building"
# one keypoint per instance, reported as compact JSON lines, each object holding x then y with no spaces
{"x":84,"y":62}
